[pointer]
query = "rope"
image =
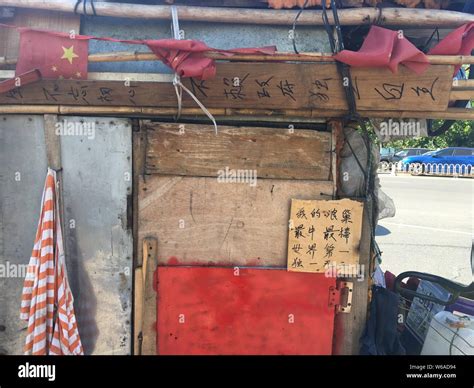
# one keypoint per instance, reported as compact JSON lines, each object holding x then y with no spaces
{"x":178,"y":85}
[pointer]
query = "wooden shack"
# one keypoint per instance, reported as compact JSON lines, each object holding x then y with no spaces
{"x":163,"y":257}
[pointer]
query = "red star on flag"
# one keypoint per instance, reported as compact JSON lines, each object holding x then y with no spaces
{"x":55,"y":55}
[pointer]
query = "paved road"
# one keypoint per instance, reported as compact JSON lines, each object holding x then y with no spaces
{"x":432,"y":230}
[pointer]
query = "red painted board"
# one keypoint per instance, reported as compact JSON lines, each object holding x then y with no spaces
{"x":210,"y":310}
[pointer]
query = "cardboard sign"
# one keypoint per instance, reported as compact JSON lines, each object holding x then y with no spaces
{"x":324,"y":234}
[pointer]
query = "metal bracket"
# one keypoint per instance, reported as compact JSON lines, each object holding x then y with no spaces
{"x":340,"y":296}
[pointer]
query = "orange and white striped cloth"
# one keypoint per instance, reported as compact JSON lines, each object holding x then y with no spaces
{"x":47,"y":301}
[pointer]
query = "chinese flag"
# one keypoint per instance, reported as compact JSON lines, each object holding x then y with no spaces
{"x":55,"y":55}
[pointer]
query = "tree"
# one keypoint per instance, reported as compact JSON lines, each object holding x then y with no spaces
{"x":460,"y":134}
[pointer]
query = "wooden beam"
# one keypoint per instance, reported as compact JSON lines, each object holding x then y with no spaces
{"x":296,"y":86}
{"x":138,"y":309}
{"x":463,"y":83}
{"x":195,"y":150}
{"x":150,"y":248}
{"x":52,"y":141}
{"x":366,"y":15}
{"x":53,"y":157}
{"x":461,"y":94}
{"x":348,"y":328}
{"x":337,"y":137}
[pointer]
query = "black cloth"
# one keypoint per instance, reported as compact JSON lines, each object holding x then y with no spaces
{"x":380,"y":336}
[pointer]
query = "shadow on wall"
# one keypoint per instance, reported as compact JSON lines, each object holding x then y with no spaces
{"x":85,"y":301}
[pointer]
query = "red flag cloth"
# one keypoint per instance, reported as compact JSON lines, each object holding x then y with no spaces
{"x":385,"y":48}
{"x":186,"y":57}
{"x":57,"y":55}
{"x":54,"y":54}
{"x":458,"y":42}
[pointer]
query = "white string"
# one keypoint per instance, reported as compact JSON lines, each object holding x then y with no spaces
{"x":200,"y":104}
{"x":175,"y":22}
{"x":178,"y":85}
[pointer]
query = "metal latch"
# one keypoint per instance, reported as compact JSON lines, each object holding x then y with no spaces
{"x":340,"y":296}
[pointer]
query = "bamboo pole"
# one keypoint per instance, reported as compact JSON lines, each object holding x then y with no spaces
{"x":450,"y":113}
{"x":461,"y":94}
{"x":277,"y":57}
{"x":352,"y":16}
{"x":135,"y":56}
{"x":463,"y":83}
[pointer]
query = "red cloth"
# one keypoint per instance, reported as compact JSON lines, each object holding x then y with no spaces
{"x":458,"y":42}
{"x":55,"y":55}
{"x":186,"y":57}
{"x":385,"y":48}
{"x":44,"y":50}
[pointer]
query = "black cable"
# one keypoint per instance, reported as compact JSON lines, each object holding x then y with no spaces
{"x":428,"y":41}
{"x":344,"y":70}
{"x":337,"y":25}
{"x":77,"y":4}
{"x":84,"y":8}
{"x":294,"y":26}
{"x":327,"y":27}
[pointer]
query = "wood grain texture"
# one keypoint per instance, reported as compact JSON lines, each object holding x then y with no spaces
{"x":348,"y":328}
{"x":138,"y":308}
{"x":292,"y":86}
{"x":195,"y":150}
{"x":149,"y":298}
{"x":391,"y":16}
{"x":204,"y":222}
{"x":52,"y":141}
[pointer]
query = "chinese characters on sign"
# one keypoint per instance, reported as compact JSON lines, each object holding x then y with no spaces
{"x":323,"y":233}
{"x":257,"y":86}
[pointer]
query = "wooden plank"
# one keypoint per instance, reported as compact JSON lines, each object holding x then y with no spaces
{"x":315,"y":86}
{"x":138,"y":169}
{"x":138,"y":308}
{"x":195,"y":150}
{"x":348,"y":328}
{"x":461,"y":94}
{"x":336,"y":127}
{"x":379,"y":89}
{"x":52,"y":141}
{"x":40,"y":19}
{"x":201,"y":221}
{"x":324,"y":236}
{"x":148,"y":346}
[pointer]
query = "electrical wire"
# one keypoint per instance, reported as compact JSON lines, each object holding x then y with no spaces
{"x":293,"y":36}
